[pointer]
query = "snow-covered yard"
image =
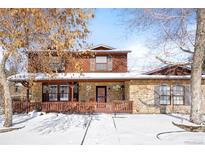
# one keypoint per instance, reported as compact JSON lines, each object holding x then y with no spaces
{"x":54,"y":128}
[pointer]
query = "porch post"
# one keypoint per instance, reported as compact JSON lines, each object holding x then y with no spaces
{"x":72,"y":87}
{"x":27,"y":99}
{"x":27,"y":94}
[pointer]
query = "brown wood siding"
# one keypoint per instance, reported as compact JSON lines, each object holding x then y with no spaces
{"x":174,"y":70}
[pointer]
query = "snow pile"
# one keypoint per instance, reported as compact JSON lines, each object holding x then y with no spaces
{"x":35,"y":113}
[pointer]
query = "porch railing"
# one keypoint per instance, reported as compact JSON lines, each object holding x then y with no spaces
{"x":74,"y":107}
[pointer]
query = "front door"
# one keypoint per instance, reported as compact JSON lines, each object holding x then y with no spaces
{"x":101,"y":94}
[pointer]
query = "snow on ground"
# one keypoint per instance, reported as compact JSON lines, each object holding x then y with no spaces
{"x":50,"y":128}
{"x":102,"y":131}
{"x":57,"y":128}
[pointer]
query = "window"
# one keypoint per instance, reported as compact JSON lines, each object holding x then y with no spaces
{"x":53,"y":93}
{"x":101,"y":62}
{"x":164,"y":95}
{"x":58,"y":92}
{"x":178,"y":94}
{"x":64,"y":92}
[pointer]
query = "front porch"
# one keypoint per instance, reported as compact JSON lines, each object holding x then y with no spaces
{"x":74,"y":107}
{"x":75,"y":96}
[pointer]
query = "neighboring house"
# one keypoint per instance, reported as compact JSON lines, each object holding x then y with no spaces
{"x":105,"y":82}
{"x":18,"y":92}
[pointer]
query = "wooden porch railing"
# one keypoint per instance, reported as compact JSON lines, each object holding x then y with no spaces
{"x":74,"y":107}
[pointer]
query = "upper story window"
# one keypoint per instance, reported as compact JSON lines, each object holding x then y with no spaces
{"x":101,"y":63}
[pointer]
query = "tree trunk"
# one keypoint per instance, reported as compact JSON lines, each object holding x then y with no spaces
{"x":196,"y":91}
{"x":7,"y":98}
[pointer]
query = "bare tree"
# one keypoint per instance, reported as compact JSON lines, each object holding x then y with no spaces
{"x":183,"y":28}
{"x":199,"y":47}
{"x":23,"y":30}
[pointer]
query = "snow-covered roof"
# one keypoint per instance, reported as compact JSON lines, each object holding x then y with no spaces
{"x":90,"y":50}
{"x":91,"y":76}
{"x":113,"y":51}
{"x":104,"y":48}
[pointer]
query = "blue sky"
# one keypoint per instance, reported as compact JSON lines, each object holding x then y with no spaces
{"x":105,"y":28}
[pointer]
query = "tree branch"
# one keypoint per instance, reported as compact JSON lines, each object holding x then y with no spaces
{"x":186,"y":50}
{"x":173,"y":63}
{"x":163,"y":16}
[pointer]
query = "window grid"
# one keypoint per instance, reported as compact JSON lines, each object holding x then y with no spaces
{"x":58,"y":92}
{"x":55,"y":93}
{"x":64,"y":92}
{"x":165,"y":98}
{"x":101,"y":63}
{"x":177,"y":95}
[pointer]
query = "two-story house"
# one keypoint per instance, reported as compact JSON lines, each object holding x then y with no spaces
{"x":100,"y":82}
{"x":97,"y":79}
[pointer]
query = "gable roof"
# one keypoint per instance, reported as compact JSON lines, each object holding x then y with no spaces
{"x":170,"y":70}
{"x":105,"y":48}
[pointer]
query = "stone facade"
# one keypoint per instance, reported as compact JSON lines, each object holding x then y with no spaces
{"x":87,"y":91}
{"x":143,"y":95}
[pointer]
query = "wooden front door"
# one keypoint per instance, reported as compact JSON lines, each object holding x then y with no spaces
{"x":101,"y":94}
